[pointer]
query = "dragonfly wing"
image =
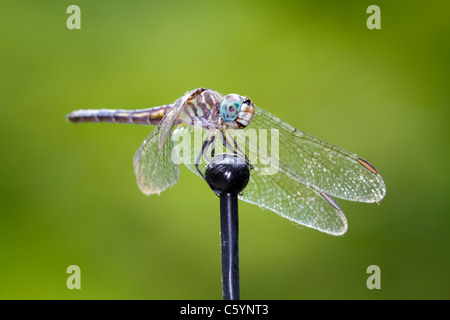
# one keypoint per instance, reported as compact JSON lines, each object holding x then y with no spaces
{"x":172,"y":115}
{"x":316,"y":163}
{"x":295,"y":201}
{"x":287,"y":197}
{"x":188,"y":141}
{"x":154,"y":166}
{"x":155,"y":171}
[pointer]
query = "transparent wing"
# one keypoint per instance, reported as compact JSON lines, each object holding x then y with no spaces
{"x":289,"y":198}
{"x":295,"y":201}
{"x":293,"y":173}
{"x":316,"y":163}
{"x":154,"y":166}
{"x":168,"y":121}
{"x":155,"y":171}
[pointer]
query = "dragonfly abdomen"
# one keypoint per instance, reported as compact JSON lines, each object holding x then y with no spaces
{"x":150,"y":116}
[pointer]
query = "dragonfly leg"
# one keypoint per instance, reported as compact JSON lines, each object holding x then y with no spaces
{"x":213,"y":147}
{"x":205,"y":146}
{"x":226,"y":144}
{"x":212,"y":142}
{"x":236,"y":149}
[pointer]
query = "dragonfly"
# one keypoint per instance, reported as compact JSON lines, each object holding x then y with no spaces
{"x":308,"y":172}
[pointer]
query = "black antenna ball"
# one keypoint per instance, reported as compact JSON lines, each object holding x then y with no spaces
{"x":227,"y":173}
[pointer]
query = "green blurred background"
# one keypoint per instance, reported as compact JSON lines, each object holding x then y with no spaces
{"x":68,"y":193}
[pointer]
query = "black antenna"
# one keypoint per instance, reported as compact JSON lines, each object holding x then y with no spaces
{"x":228,"y":174}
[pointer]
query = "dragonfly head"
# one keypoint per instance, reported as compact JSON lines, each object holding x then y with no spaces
{"x":237,"y":111}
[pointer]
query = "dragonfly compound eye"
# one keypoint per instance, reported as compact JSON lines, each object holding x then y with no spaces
{"x":230,"y":107}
